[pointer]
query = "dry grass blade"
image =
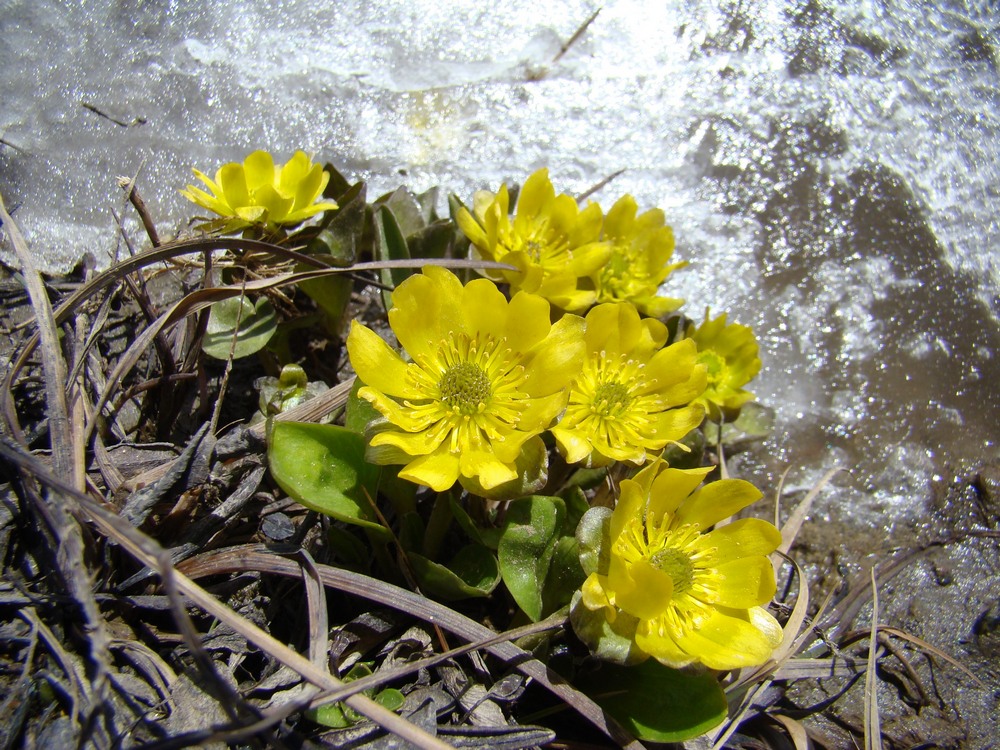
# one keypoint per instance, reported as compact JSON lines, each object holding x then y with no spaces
{"x":795,"y":730}
{"x":931,"y":649}
{"x":384,"y":676}
{"x":873,"y":722}
{"x":257,"y":557}
{"x":791,"y":528}
{"x":149,"y":553}
{"x":70,"y":555}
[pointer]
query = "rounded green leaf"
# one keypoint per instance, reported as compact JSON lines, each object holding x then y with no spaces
{"x":323,"y":467}
{"x":656,"y":703}
{"x":471,"y":573}
{"x":527,"y":542}
{"x":593,"y":534}
{"x":239,"y":326}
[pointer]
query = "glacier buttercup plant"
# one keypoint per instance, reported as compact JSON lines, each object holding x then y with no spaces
{"x":663,"y":583}
{"x":257,"y":193}
{"x":553,"y":243}
{"x":633,"y":396}
{"x":484,"y":378}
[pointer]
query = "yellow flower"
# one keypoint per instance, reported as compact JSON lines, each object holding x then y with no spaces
{"x":672,"y":589}
{"x":552,"y":243}
{"x":486,"y":376}
{"x":632,"y":396}
{"x":639,"y":262}
{"x":729,"y":353}
{"x":255,"y":193}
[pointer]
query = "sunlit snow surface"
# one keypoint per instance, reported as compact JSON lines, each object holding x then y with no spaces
{"x":831,"y":169}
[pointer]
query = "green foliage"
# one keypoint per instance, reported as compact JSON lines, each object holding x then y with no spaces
{"x":538,"y":560}
{"x":656,"y":703}
{"x":471,"y":573}
{"x":323,"y":467}
{"x":238,"y":327}
{"x":340,"y":715}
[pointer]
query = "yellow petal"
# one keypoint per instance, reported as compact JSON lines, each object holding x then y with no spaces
{"x":764,"y":621}
{"x":535,"y":193}
{"x":377,"y":365}
{"x":259,"y":170}
{"x":724,"y":642}
{"x":527,"y":322}
{"x":742,"y":538}
{"x":670,"y":488}
{"x":661,"y":647}
{"x":232,"y":180}
{"x":650,"y":592}
{"x":556,"y":360}
{"x":309,"y":187}
{"x":484,"y":465}
{"x":294,"y":171}
{"x":425,"y":311}
{"x":471,"y":228}
{"x":276,"y":204}
{"x":484,"y":308}
{"x":572,"y":445}
{"x":620,"y":217}
{"x":439,"y":470}
{"x":746,"y":582}
{"x":716,"y":501}
{"x":593,"y":593}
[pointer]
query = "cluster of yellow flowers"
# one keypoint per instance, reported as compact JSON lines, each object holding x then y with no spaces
{"x":484,"y":376}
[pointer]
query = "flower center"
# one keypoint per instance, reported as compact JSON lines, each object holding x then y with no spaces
{"x":465,"y":388}
{"x":677,"y":565}
{"x":715,"y":366}
{"x":611,"y":399}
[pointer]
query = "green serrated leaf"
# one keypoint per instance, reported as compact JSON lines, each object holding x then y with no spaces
{"x":656,"y":703}
{"x":239,"y":326}
{"x":527,"y":543}
{"x":323,"y":467}
{"x":471,"y":573}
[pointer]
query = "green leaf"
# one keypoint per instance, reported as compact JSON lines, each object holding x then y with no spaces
{"x":359,"y":411}
{"x":406,"y":208}
{"x":338,"y":715}
{"x":391,"y":245}
{"x":610,"y":641}
{"x":331,"y":294}
{"x":656,"y":703}
{"x":488,"y":537}
{"x":527,"y":543}
{"x":323,"y":467}
{"x":341,"y":236}
{"x":576,"y":505}
{"x":433,"y":241}
{"x":471,"y":573}
{"x":592,"y":534}
{"x":564,"y":577}
{"x":251,"y":325}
